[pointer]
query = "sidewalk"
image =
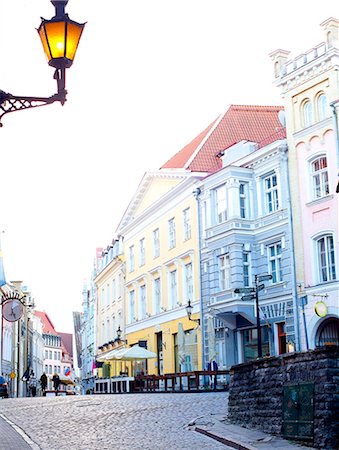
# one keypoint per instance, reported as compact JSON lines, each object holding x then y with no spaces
{"x":13,"y":438}
{"x":240,"y":438}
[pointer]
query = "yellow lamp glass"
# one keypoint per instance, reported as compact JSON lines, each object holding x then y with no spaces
{"x":60,"y":40}
{"x":321,"y":309}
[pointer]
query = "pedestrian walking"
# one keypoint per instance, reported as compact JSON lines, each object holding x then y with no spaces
{"x":43,"y":383}
{"x":56,"y":382}
{"x":32,"y":383}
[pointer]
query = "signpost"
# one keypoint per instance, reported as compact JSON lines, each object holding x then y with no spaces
{"x":251,"y":293}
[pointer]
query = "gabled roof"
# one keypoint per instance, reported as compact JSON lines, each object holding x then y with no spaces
{"x":238,"y":123}
{"x":47,"y":325}
{"x":66,"y":342}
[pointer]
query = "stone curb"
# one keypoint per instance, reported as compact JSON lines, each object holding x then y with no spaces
{"x":231,"y":442}
{"x":20,"y":432}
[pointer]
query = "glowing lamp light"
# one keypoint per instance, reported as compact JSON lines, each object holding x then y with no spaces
{"x":60,"y":38}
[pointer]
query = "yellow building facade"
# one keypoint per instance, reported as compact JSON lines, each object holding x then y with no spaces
{"x":110,"y":306}
{"x":161,"y":247}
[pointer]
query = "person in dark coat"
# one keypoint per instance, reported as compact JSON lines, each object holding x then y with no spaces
{"x":43,"y":383}
{"x":56,"y":382}
{"x":32,"y":383}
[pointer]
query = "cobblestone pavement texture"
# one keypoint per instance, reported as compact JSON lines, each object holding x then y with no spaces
{"x":132,"y":421}
{"x":10,"y":438}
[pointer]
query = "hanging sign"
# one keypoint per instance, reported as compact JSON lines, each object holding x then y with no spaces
{"x":321,"y":309}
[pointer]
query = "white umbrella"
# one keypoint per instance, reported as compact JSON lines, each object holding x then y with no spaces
{"x":109,"y":356}
{"x":134,"y":353}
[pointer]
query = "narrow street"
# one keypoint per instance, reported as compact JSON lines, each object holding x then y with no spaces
{"x":132,"y":422}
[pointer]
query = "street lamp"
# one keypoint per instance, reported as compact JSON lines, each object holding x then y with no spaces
{"x":251,"y":293}
{"x":118,"y":338}
{"x":189,"y":308}
{"x":60,"y":38}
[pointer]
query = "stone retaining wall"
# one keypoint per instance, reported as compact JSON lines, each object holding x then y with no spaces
{"x":256,"y":392}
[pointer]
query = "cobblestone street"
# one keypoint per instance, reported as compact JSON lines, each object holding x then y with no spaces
{"x":132,"y":422}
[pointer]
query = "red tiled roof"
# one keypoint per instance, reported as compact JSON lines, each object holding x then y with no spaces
{"x":180,"y":159}
{"x":239,"y":123}
{"x":66,"y":342}
{"x":47,"y":324}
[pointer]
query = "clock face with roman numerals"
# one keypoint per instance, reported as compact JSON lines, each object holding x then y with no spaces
{"x":12,"y":310}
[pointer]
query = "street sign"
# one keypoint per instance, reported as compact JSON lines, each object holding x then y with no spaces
{"x":267,"y":277}
{"x":12,"y":375}
{"x":261,"y":287}
{"x":245,"y":290}
{"x":247,"y":298}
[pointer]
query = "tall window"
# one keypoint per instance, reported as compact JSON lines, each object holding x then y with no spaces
{"x":173,"y":288}
{"x":271,"y":193}
{"x":131,"y":258}
{"x":319,"y":177}
{"x":131,"y":302}
{"x":102,"y":297}
{"x":171,"y":233}
{"x":321,"y":106}
{"x":188,"y":282}
{"x":142,"y":294}
{"x":246,"y":268}
{"x":307,"y":114}
{"x":156,"y":293}
{"x":108,"y":291}
{"x":326,"y":258}
{"x":156,"y":243}
{"x":114,"y":290}
{"x":187,"y":223}
{"x":274,"y":257}
{"x":243,"y":188}
{"x":224,"y":272}
{"x":142,"y":251}
{"x":220,"y":204}
{"x":119,"y":285}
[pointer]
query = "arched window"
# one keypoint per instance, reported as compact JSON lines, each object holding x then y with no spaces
{"x":319,"y":174}
{"x":321,"y":106}
{"x":307,"y":113}
{"x":325,"y":258}
{"x":328,"y":332}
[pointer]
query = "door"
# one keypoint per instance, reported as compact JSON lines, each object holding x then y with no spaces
{"x":298,"y":411}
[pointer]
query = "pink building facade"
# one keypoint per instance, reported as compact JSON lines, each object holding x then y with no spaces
{"x":309,"y":86}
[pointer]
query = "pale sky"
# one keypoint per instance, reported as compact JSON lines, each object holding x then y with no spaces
{"x":148,"y":77}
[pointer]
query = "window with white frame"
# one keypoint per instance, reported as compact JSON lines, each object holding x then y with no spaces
{"x":114,"y":290}
{"x":119,"y":285}
{"x":187,"y":223}
{"x":220,"y":204}
{"x":319,"y":174}
{"x":156,"y":295}
{"x":326,"y":258}
{"x":102,"y":298}
{"x":108,"y":291}
{"x":173,"y":289}
{"x":322,"y":106}
{"x":142,"y":251}
{"x":171,"y":233}
{"x":156,"y":243}
{"x":114,"y":327}
{"x":271,"y":193}
{"x":108,"y":330}
{"x":131,"y":258}
{"x":246,"y":268}
{"x":274,"y":261}
{"x":243,"y":200}
{"x":307,"y":113}
{"x":188,"y":289}
{"x":131,"y":306}
{"x":142,"y":302}
{"x":224,"y":272}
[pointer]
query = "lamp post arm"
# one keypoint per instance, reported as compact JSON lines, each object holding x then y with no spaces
{"x":11,"y":103}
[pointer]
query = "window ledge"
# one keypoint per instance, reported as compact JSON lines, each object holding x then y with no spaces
{"x":320,"y":200}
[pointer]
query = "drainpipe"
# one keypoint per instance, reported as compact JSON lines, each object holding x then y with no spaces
{"x":196,"y":194}
{"x":334,"y":105}
{"x":284,"y":152}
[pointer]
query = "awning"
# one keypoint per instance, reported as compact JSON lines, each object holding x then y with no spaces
{"x":66,"y":380}
{"x":109,"y":355}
